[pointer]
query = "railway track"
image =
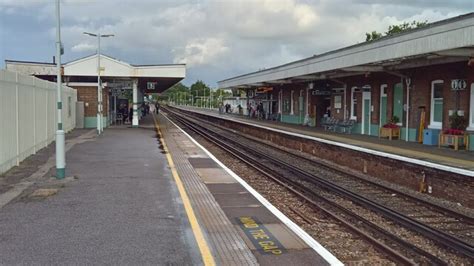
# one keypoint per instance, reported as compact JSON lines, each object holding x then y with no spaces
{"x":312,"y":184}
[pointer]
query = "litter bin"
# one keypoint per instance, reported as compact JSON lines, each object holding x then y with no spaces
{"x":430,"y":136}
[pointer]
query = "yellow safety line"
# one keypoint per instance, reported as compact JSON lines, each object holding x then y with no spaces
{"x":201,"y":241}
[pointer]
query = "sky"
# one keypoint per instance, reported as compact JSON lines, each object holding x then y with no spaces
{"x":216,"y":39}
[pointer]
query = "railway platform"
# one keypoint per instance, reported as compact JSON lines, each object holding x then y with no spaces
{"x":462,"y":161}
{"x":147,"y":195}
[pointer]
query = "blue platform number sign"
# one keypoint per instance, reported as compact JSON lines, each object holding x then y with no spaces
{"x":150,"y":85}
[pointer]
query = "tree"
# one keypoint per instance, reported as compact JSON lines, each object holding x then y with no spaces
{"x":199,"y":89}
{"x":395,"y":29}
{"x":177,"y":91}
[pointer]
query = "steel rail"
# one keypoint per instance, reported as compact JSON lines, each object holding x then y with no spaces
{"x":432,"y":233}
{"x":432,"y":205}
{"x":259,"y":167}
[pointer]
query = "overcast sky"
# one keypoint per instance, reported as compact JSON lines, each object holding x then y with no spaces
{"x":216,"y":39}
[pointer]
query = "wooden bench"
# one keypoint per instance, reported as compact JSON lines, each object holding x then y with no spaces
{"x":448,"y":139}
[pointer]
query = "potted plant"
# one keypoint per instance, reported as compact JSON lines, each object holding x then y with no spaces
{"x":392,"y":123}
{"x":390,"y":129}
{"x":457,"y":125}
{"x":455,"y":135}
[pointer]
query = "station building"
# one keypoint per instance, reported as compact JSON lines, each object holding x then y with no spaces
{"x":119,"y":81}
{"x":427,"y":70}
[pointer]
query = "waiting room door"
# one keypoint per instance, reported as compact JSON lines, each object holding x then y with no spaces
{"x":366,"y":106}
{"x":398,"y":101}
{"x":301,"y":107}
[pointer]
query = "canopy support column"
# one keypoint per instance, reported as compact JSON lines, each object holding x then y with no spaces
{"x":135,"y":104}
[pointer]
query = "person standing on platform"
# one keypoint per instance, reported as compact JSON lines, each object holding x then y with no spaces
{"x":157,"y":108}
{"x":151,"y":108}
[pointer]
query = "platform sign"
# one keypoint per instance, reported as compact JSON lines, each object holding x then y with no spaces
{"x":125,"y":85}
{"x":458,"y":84}
{"x":260,"y":236}
{"x":317,"y":92}
{"x":151,"y":85}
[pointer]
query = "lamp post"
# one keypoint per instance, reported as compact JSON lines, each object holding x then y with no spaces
{"x":60,"y":151}
{"x":100,"y":127}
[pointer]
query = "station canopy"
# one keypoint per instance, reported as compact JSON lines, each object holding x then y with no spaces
{"x":114,"y":73}
{"x":445,"y":41}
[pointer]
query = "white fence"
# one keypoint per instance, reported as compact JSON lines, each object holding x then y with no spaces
{"x":28,"y":116}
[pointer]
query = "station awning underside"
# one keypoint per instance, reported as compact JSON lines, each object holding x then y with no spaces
{"x":441,"y":42}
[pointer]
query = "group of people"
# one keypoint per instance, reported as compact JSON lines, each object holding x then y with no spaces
{"x":143,"y":110}
{"x":256,"y":110}
{"x":253,"y":110}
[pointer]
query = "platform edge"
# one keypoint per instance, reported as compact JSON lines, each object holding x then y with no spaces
{"x":310,"y":241}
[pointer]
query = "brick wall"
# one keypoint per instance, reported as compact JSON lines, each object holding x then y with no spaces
{"x":421,"y":92}
{"x":88,"y":95}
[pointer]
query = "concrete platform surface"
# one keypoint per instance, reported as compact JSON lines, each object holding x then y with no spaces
{"x":121,"y":207}
{"x":123,"y":203}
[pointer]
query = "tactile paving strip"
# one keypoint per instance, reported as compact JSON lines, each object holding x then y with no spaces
{"x":228,"y":246}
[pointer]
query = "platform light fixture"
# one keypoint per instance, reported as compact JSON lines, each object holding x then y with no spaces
{"x":100,"y":126}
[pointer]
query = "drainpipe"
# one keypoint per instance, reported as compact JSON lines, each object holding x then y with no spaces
{"x":408,"y":82}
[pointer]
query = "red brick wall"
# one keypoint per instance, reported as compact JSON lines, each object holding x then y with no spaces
{"x":421,"y":92}
{"x":89,"y":95}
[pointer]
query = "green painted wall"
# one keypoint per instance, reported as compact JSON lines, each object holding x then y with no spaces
{"x":471,"y":142}
{"x":374,"y":130}
{"x":91,"y":121}
{"x":411,"y":134}
{"x":357,"y":129}
{"x":291,"y":119}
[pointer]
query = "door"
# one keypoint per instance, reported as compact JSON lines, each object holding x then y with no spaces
{"x":437,"y":99}
{"x":383,"y":105}
{"x":301,"y":107}
{"x":79,"y":114}
{"x":366,"y":108}
{"x":398,"y":102}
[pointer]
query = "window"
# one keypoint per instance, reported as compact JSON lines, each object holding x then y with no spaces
{"x":471,"y":112}
{"x":337,"y":101}
{"x":436,"y":114}
{"x":353,"y":104}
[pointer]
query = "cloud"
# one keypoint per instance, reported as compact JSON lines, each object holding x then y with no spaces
{"x":217,"y":39}
{"x":201,"y":52}
{"x":83,"y":47}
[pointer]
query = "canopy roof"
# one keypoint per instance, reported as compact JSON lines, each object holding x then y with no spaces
{"x":445,"y":41}
{"x":84,"y":69}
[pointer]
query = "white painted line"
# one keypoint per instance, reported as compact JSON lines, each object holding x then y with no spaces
{"x":447,"y":168}
{"x":323,"y":252}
